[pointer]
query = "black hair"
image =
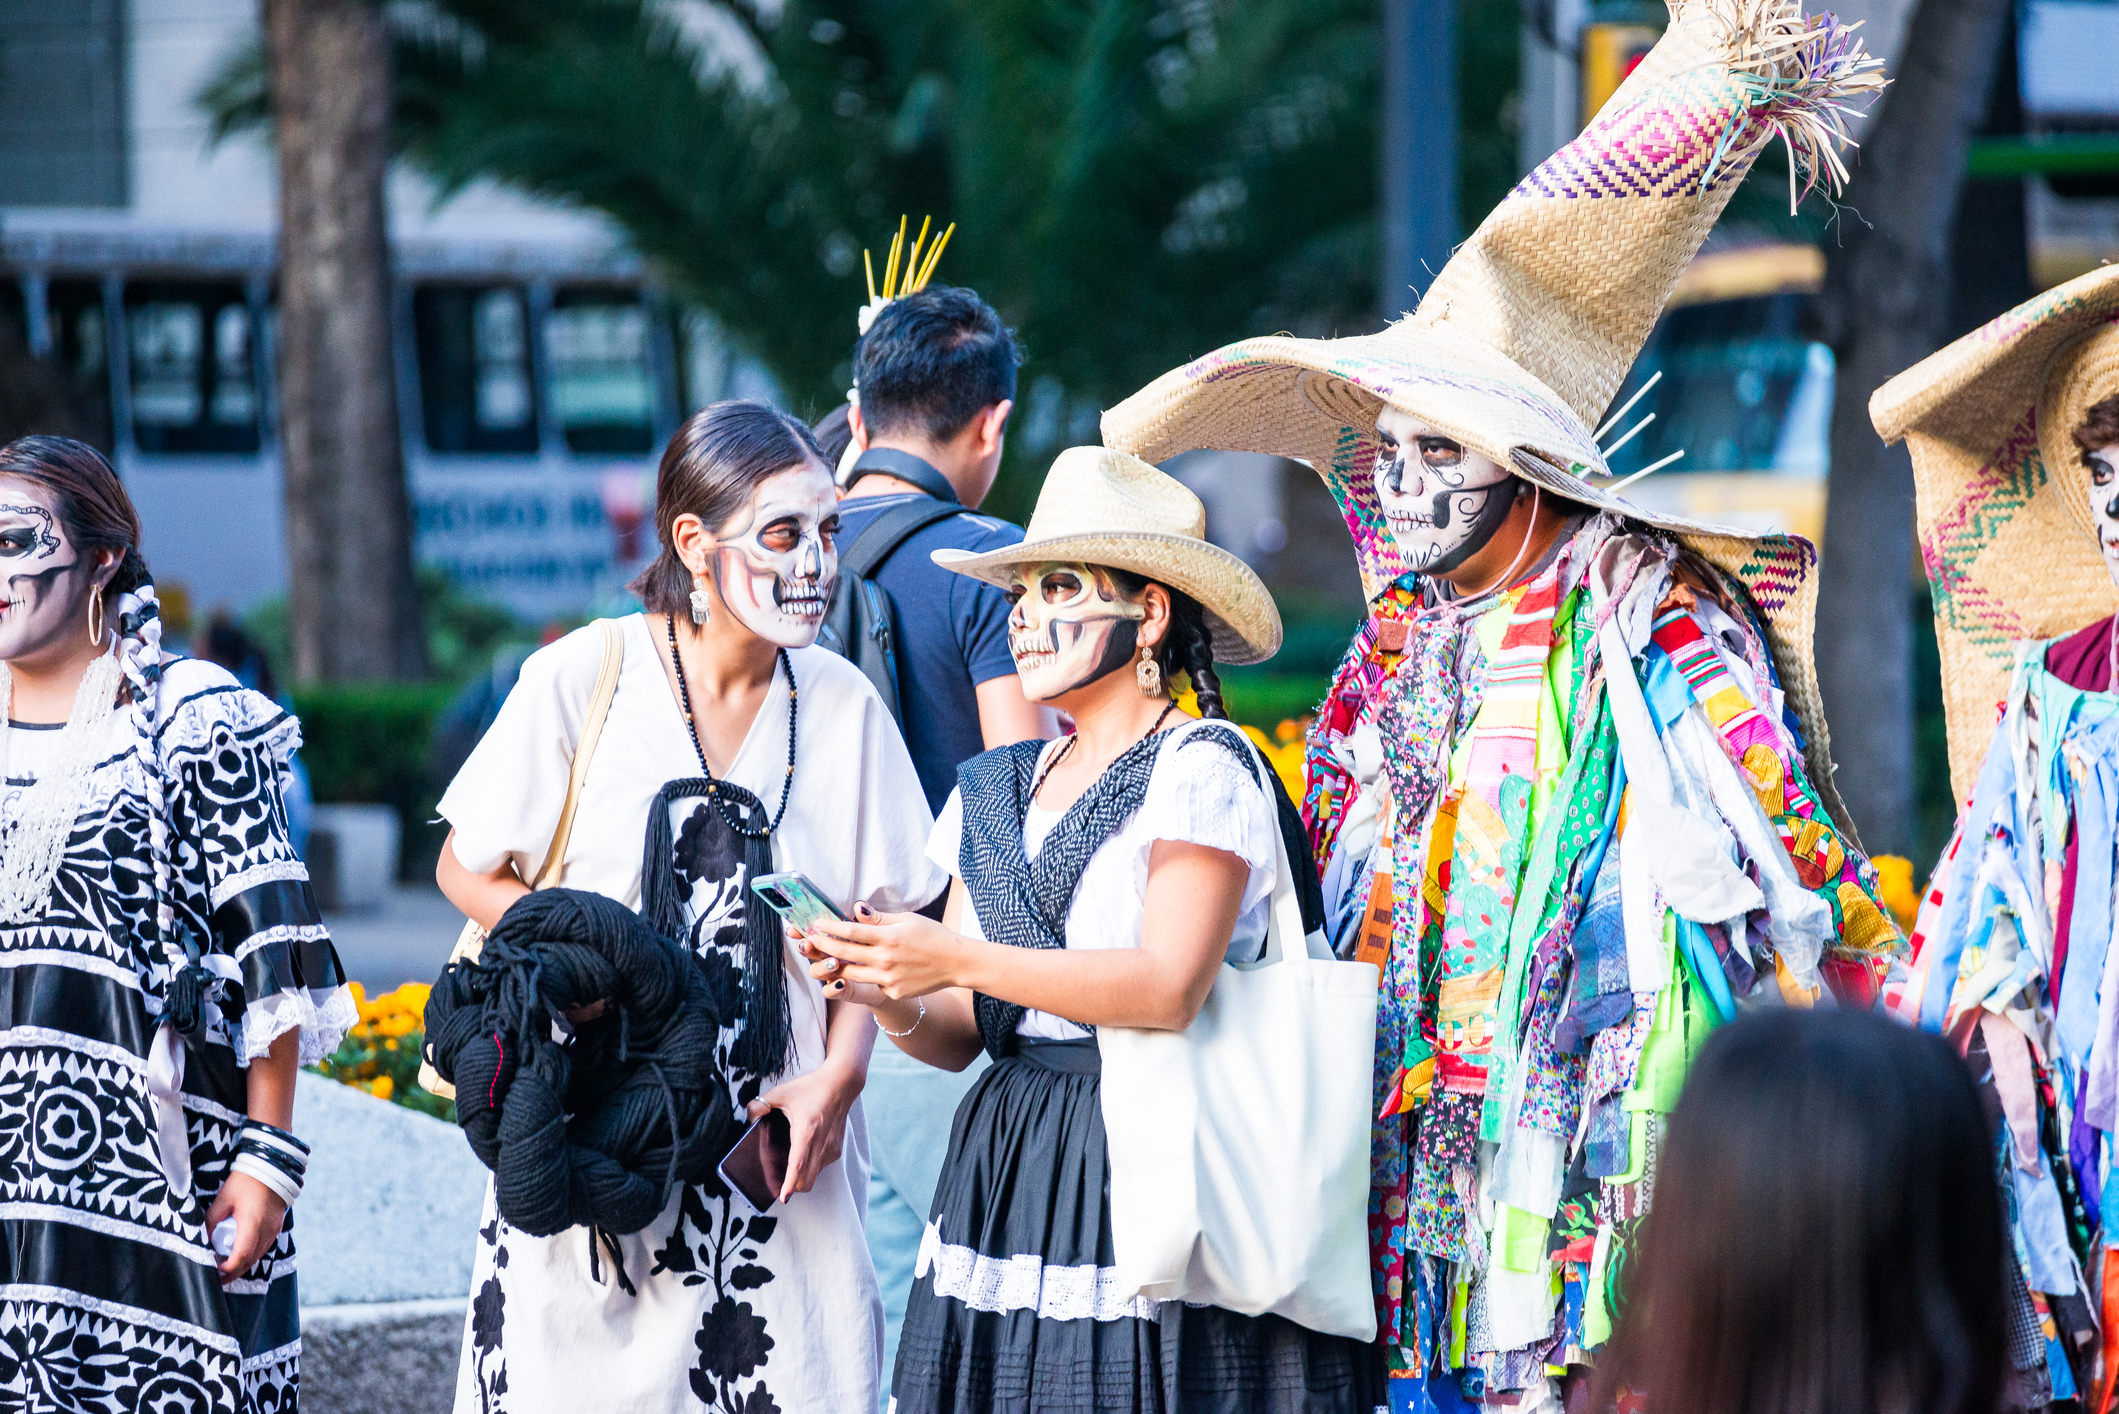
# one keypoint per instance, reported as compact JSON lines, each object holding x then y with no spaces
{"x":712,"y":464}
{"x":932,"y":361}
{"x":1188,"y":646}
{"x":1827,"y":1235}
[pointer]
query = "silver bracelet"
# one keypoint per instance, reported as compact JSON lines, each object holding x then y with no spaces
{"x":899,"y":1035}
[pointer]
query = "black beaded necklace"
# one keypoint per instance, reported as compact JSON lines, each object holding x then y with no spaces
{"x":1072,"y":737}
{"x":713,"y":787}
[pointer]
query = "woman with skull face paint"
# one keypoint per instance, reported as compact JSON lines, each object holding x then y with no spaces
{"x":2014,"y":432}
{"x":167,"y":971}
{"x":1100,"y":880}
{"x":733,"y":748}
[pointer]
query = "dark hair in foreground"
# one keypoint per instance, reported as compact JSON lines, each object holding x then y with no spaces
{"x":92,"y":504}
{"x":1827,"y":1235}
{"x":834,"y":432}
{"x":712,"y":464}
{"x":1187,"y":648}
{"x":932,"y":361}
{"x":2100,"y":427}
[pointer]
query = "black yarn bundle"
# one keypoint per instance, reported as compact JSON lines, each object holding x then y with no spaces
{"x":596,"y":1124}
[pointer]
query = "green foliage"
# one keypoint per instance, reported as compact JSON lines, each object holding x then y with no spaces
{"x":1133,"y":183}
{"x":463,"y":632}
{"x":1262,"y":699}
{"x":363,"y":1059}
{"x":369,"y":742}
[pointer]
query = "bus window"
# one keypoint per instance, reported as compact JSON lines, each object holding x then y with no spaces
{"x":77,"y":346}
{"x":1738,"y":393}
{"x":474,"y":368}
{"x":193,"y":384}
{"x":602,"y":382}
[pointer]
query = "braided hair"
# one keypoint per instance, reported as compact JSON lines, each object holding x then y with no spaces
{"x":1188,"y":646}
{"x":98,"y":516}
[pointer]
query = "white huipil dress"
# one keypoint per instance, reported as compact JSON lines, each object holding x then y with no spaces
{"x":730,"y":1310}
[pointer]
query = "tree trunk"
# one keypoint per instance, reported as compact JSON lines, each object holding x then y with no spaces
{"x":1887,"y":300}
{"x":353,"y":604}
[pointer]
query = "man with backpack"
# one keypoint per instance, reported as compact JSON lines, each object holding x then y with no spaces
{"x":936,"y":374}
{"x":936,"y":378}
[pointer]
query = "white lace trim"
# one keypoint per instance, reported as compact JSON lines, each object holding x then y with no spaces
{"x":115,"y":1311}
{"x":1024,"y":1283}
{"x":282,"y":933}
{"x":271,"y":872}
{"x":324,"y":1023}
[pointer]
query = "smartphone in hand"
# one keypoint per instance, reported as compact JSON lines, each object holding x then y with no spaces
{"x":757,"y":1166}
{"x":799,"y":902}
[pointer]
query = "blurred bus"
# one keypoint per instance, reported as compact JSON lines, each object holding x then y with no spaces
{"x":534,"y":395}
{"x":1745,"y":394}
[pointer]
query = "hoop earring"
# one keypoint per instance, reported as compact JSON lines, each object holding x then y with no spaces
{"x":95,"y":617}
{"x":702,"y":601}
{"x":1148,"y":674}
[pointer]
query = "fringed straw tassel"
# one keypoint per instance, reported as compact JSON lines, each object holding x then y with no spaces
{"x":1797,"y":74}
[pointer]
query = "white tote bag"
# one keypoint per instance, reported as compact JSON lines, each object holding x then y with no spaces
{"x":1240,"y":1145}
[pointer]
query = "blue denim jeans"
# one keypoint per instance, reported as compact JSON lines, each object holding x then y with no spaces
{"x":909,"y":1107}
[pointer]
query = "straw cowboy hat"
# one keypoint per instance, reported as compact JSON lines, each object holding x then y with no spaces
{"x":1517,"y":348}
{"x":2002,"y":493}
{"x":1100,"y":507}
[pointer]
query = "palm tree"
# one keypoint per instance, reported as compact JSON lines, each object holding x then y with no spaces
{"x":1132,"y":183}
{"x":353,"y":602}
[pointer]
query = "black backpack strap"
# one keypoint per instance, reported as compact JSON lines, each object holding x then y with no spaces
{"x":883,"y":535}
{"x":889,"y":461}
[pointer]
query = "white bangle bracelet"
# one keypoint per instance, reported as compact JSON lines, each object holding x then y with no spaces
{"x":899,"y":1035}
{"x":254,"y":1167}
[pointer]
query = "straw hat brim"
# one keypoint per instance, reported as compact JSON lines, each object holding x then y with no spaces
{"x":1317,"y":400}
{"x":2083,"y":374}
{"x":2000,"y":492}
{"x":1242,"y":619}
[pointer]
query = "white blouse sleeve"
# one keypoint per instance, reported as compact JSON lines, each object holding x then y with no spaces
{"x":504,"y":804}
{"x":1201,"y":794}
{"x":945,"y":844}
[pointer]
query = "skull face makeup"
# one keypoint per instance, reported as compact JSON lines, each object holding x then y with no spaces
{"x":1071,"y":626}
{"x":1442,"y":501}
{"x":43,"y":577}
{"x":2104,"y":504}
{"x":774,"y":560}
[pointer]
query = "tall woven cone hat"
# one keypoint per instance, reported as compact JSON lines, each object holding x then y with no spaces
{"x":2001,"y":493}
{"x":1101,"y":507}
{"x":1518,"y":347}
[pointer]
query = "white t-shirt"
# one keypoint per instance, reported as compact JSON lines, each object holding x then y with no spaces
{"x":1200,"y":794}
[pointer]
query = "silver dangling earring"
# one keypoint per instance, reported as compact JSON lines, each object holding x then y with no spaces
{"x":702,"y":602}
{"x":1148,"y":674}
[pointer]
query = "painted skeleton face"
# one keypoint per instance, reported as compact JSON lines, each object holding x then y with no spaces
{"x":2104,"y":504}
{"x":774,"y":560}
{"x":1071,"y":626}
{"x":45,"y":579}
{"x":1441,"y":500}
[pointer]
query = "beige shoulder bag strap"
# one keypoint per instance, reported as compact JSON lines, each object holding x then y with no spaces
{"x":473,"y":937}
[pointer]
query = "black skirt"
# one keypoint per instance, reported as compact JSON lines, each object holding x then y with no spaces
{"x":1015,"y":1307}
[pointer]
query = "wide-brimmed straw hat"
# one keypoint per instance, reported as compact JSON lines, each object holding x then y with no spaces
{"x":2002,"y":492}
{"x":1100,"y":507}
{"x":1519,"y":345}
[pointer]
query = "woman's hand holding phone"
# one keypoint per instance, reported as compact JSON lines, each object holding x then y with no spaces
{"x":899,"y":955}
{"x":816,"y":1104}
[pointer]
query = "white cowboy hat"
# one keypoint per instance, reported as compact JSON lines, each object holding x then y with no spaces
{"x":1100,"y":507}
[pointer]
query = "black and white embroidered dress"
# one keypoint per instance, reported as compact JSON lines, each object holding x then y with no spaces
{"x":712,"y":1306}
{"x":109,"y":1298}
